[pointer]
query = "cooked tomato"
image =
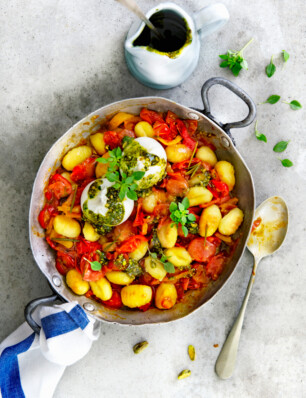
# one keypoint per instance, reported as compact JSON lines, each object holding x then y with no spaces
{"x":219,"y":189}
{"x":170,"y":117}
{"x":64,"y":262}
{"x":200,"y":253}
{"x":191,"y":126}
{"x":200,"y":278}
{"x":46,"y":214}
{"x":131,"y":244}
{"x":112,"y":139}
{"x":85,"y":170}
{"x":177,"y":185}
{"x":187,"y":140}
{"x":87,"y":273}
{"x":58,"y":187}
{"x":215,"y":266}
{"x":86,"y":247}
{"x":124,"y":231}
{"x":150,"y":116}
{"x":115,"y":301}
{"x":163,"y":131}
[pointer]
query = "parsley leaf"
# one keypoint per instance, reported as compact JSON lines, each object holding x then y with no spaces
{"x":271,"y":68}
{"x":234,"y":60}
{"x":280,"y":146}
{"x":259,"y":136}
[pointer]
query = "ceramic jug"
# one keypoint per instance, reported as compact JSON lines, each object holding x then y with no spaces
{"x":161,"y":70}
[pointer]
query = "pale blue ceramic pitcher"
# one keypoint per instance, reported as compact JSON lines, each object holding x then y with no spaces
{"x":159,"y":70}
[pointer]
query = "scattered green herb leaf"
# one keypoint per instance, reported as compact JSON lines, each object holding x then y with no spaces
{"x":113,"y":160}
{"x":259,"y":136}
{"x":273,"y":99}
{"x":295,"y":105}
{"x":280,"y":146}
{"x":180,"y":214}
{"x":95,"y":265}
{"x":234,"y":60}
{"x":285,"y":55}
{"x":286,"y":162}
{"x":271,"y":68}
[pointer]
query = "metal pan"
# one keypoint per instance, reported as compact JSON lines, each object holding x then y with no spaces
{"x":220,"y":136}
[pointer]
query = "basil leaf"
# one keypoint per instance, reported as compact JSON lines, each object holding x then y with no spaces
{"x":169,"y":267}
{"x":273,"y":99}
{"x":270,"y":69}
{"x":223,"y":64}
{"x":181,"y":207}
{"x":129,"y":180}
{"x":295,"y":105}
{"x":191,"y":217}
{"x":138,"y":175}
{"x":236,"y":69}
{"x":244,"y":64}
{"x":224,"y":56}
{"x":102,"y":160}
{"x":95,"y":265}
{"x":280,"y":146}
{"x":173,"y":207}
{"x":285,"y":55}
{"x":260,"y":137}
{"x":131,"y":195}
{"x":153,"y":255}
{"x":286,"y":162}
{"x":183,"y":219}
{"x":112,"y":177}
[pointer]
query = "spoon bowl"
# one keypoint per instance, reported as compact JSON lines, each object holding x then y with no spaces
{"x":268,"y":233}
{"x":270,"y":229}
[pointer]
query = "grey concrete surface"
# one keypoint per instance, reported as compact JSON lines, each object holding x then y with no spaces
{"x":61,"y":60}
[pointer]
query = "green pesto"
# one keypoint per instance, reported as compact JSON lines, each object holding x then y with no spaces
{"x":133,"y":152}
{"x":114,"y":215}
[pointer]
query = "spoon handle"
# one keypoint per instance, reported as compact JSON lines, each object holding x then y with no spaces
{"x":226,"y":361}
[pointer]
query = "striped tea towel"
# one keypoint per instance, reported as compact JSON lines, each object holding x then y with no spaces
{"x":31,"y":365}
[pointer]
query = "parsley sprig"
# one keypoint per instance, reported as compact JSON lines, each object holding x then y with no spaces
{"x":113,"y":160}
{"x":126,"y":184}
{"x":180,"y":214}
{"x":234,"y":60}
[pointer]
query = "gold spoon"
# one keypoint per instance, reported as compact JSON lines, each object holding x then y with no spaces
{"x":271,"y":218}
{"x":133,"y":6}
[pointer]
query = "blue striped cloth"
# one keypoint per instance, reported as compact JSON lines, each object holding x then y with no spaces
{"x":31,"y":365}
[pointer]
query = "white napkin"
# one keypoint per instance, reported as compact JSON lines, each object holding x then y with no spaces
{"x":31,"y":365}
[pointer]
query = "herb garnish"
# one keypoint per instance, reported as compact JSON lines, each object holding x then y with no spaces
{"x":180,"y":214}
{"x":234,"y":60}
{"x":127,"y":184}
{"x":95,"y":265}
{"x":295,"y":105}
{"x":285,"y":55}
{"x":259,"y":136}
{"x":273,"y":99}
{"x":286,"y":162}
{"x":271,"y":68}
{"x":65,"y":240}
{"x":169,"y":267}
{"x":280,"y":146}
{"x":113,"y":160}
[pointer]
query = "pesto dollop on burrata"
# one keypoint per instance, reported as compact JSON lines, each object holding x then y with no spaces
{"x":102,"y":207}
{"x":144,"y":154}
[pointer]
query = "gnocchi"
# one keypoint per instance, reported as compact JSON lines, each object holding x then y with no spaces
{"x":102,"y":289}
{"x":226,"y":173}
{"x":97,"y":141}
{"x":140,"y":251}
{"x":119,"y":277}
{"x":179,"y":256}
{"x":144,"y":129}
{"x":166,"y":296}
{"x":207,"y":155}
{"x":231,"y":222}
{"x":90,"y":233}
{"x":136,"y":295}
{"x":167,"y":234}
{"x":155,"y":268}
{"x":76,"y":156}
{"x":198,"y":196}
{"x":66,"y":226}
{"x":209,"y":220}
{"x":75,"y":282}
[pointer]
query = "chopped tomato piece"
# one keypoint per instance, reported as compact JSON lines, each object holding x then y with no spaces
{"x":46,"y":214}
{"x":123,"y":231}
{"x":218,"y":201}
{"x":191,"y":126}
{"x":200,"y":278}
{"x":187,"y":140}
{"x":58,"y":187}
{"x":215,"y":266}
{"x":85,"y":170}
{"x":162,"y":130}
{"x":64,"y":262}
{"x":115,"y":301}
{"x":139,"y":219}
{"x":177,"y":185}
{"x":200,"y":253}
{"x":219,"y":189}
{"x":87,"y":273}
{"x":86,"y":247}
{"x":150,"y":116}
{"x":170,"y":117}
{"x":131,"y":244}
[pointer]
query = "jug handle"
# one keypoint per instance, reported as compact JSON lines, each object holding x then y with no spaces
{"x":211,"y":18}
{"x":236,"y":90}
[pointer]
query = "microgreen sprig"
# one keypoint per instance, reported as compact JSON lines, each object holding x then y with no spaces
{"x":273,"y":99}
{"x":180,"y":214}
{"x":126,"y":184}
{"x":259,"y":136}
{"x":113,"y":160}
{"x":234,"y":60}
{"x":169,"y":267}
{"x":270,"y":68}
{"x":294,"y":105}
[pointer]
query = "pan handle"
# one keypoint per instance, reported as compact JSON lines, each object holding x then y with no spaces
{"x":236,"y":90}
{"x":32,"y":305}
